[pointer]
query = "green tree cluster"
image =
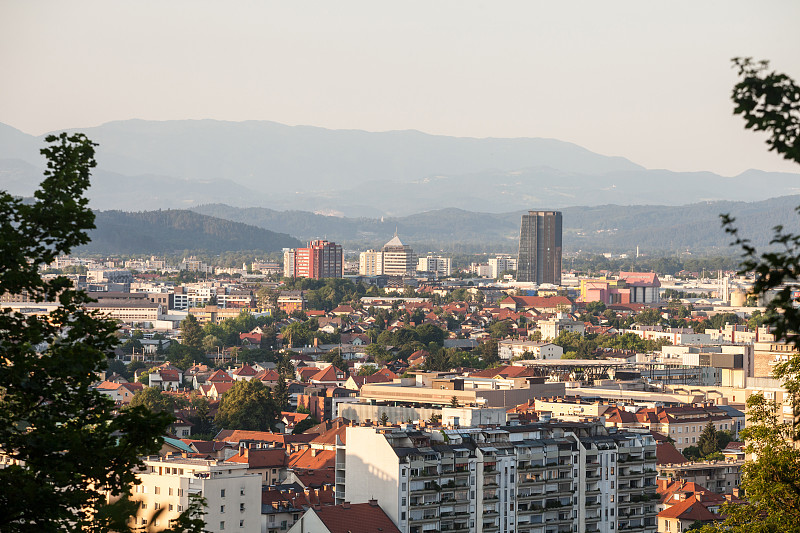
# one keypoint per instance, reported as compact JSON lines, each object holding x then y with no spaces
{"x":770,"y":101}
{"x":248,"y":405}
{"x":71,"y":449}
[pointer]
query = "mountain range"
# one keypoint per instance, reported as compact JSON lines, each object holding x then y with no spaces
{"x":145,"y":165}
{"x":358,"y":188}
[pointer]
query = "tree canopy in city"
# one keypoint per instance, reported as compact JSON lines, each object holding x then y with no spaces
{"x":69,"y":448}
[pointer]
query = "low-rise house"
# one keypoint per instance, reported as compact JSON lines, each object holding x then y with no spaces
{"x":166,"y":377}
{"x":244,"y":372}
{"x":269,"y":463}
{"x":508,"y":349}
{"x":283,"y":505}
{"x":121,"y":393}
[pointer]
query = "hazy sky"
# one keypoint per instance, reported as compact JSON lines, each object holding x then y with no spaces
{"x":650,"y":81}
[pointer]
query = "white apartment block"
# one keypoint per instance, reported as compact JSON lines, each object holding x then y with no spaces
{"x":233,"y":496}
{"x":370,"y":263}
{"x":502,"y":263}
{"x":551,"y":328}
{"x":509,"y":349}
{"x":434,"y":264}
{"x":288,"y":263}
{"x":539,"y":478}
{"x":482,"y":270}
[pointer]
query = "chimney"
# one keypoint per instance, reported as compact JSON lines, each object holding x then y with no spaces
{"x":346,"y":505}
{"x":373,"y":503}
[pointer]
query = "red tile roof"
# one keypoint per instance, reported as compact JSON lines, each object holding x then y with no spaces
{"x":667,"y":453}
{"x":329,"y":374}
{"x":312,"y":459}
{"x":691,"y":509}
{"x":245,"y":371}
{"x":260,"y":457}
{"x":219,"y":376}
{"x":236,"y":435}
{"x":355,"y":518}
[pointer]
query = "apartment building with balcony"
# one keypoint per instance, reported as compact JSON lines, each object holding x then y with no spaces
{"x":554,"y":477}
{"x":232,"y":494}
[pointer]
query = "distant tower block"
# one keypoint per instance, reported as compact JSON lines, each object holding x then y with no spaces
{"x":539,"y":259}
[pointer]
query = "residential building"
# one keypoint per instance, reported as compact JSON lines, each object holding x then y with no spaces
{"x":502,"y":263}
{"x":288,"y":263}
{"x":552,"y":328}
{"x":435,"y":264}
{"x":528,"y":479}
{"x":320,"y":259}
{"x":356,"y":518}
{"x":722,"y":476}
{"x":290,"y":301}
{"x":233,"y":496}
{"x":508,"y":349}
{"x":398,"y":258}
{"x":539,"y":259}
{"x":370,"y":263}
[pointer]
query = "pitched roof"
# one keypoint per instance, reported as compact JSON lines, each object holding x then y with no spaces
{"x":245,"y":370}
{"x":329,"y":373}
{"x":260,"y":457}
{"x":355,"y":518}
{"x":667,"y":453}
{"x":219,"y":375}
{"x":313,"y":459}
{"x":692,"y":508}
{"x":237,"y":435}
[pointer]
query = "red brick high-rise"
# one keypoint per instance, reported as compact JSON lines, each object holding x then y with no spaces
{"x":320,"y":259}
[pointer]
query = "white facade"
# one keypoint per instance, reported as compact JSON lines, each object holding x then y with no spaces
{"x":233,"y":496}
{"x":434,"y":263}
{"x":398,"y":258}
{"x":288,"y":263}
{"x":370,"y":263}
{"x":502,"y":263}
{"x":509,"y":349}
{"x":551,"y":328}
{"x":529,"y":479}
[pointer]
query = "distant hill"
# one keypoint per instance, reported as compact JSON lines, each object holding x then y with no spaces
{"x":173,"y":231}
{"x":611,"y":228}
{"x":144,"y":165}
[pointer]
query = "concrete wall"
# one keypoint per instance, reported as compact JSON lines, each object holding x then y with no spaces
{"x":372,"y":471}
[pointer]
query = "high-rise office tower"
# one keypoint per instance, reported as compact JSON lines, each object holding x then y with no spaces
{"x":539,"y":258}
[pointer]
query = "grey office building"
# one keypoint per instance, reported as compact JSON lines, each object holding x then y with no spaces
{"x":540,"y":248}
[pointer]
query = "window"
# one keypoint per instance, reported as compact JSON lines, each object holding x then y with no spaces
{"x":221,"y":508}
{"x":157,"y":490}
{"x":222,"y":493}
{"x":157,"y":506}
{"x":241,"y":491}
{"x":403,"y":515}
{"x":170,"y":507}
{"x":241,"y":507}
{"x":222,"y":525}
{"x":144,"y":521}
{"x":170,"y":491}
{"x":180,"y":492}
{"x":403,"y":501}
{"x":180,"y":508}
{"x":144,"y":505}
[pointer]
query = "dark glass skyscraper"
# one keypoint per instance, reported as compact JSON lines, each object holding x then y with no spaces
{"x":539,"y":258}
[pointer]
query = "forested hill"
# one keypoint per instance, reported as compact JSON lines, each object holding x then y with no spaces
{"x":173,"y":231}
{"x":607,"y":228}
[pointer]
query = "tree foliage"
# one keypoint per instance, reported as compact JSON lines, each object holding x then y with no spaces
{"x":154,"y":400}
{"x":247,"y":405}
{"x":770,"y":102}
{"x":75,"y":450}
